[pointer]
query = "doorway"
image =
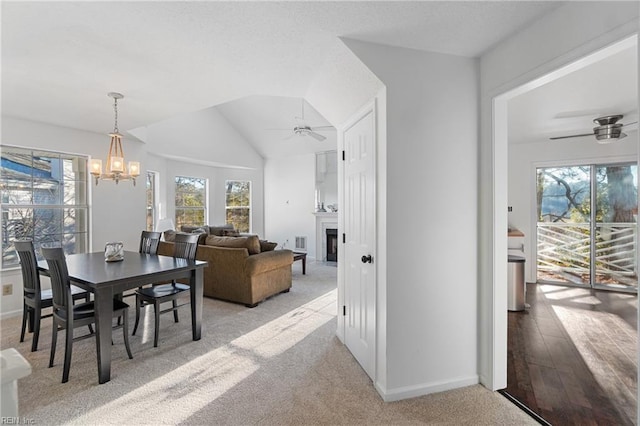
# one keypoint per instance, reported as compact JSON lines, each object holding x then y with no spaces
{"x":603,"y":156}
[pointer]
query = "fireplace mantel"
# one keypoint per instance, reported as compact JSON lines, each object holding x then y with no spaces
{"x":326,"y":214}
{"x":324,"y":221}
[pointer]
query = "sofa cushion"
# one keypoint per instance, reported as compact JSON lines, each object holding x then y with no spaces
{"x":252,"y":244}
{"x":267,"y":246}
{"x":230,"y":233}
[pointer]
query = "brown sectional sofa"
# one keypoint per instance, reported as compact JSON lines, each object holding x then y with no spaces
{"x":236,"y":275}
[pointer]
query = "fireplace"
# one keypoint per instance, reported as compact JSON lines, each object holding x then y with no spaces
{"x":332,"y":245}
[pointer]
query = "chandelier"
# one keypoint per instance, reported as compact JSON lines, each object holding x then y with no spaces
{"x":115,"y":169}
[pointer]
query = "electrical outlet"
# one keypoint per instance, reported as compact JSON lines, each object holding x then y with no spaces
{"x":7,"y":289}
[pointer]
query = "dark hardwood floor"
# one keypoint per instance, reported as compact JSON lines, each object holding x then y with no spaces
{"x":572,"y":355}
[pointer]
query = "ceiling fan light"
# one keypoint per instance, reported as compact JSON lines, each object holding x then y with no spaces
{"x":603,"y":139}
{"x":608,"y":133}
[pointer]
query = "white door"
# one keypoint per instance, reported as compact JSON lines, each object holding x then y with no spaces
{"x":359,"y":229}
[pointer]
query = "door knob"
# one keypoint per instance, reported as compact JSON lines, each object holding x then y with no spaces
{"x":367,"y":259}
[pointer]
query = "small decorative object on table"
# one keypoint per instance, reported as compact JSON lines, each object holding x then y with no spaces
{"x":114,"y":252}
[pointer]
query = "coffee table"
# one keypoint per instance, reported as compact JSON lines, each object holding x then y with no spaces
{"x":301,"y":256}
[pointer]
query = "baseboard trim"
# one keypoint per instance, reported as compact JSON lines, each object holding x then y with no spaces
{"x":397,"y":394}
{"x":10,"y":314}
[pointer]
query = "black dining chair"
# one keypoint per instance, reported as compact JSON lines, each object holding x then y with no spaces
{"x":185,"y":246}
{"x":35,"y":299}
{"x":68,"y":316}
{"x":149,"y":241}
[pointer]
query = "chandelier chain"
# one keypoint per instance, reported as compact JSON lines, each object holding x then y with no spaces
{"x":115,"y":109}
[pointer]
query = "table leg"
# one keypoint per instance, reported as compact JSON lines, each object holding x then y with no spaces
{"x":304,"y":265}
{"x":197,"y":294}
{"x":104,"y":315}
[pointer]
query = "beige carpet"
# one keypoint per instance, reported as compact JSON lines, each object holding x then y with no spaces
{"x":277,"y":364}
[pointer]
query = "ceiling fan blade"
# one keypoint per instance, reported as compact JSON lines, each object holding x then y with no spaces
{"x":570,"y":136}
{"x":316,"y":128}
{"x":317,"y":136}
{"x":629,"y":124}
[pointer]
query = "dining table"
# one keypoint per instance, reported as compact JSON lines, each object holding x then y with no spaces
{"x":105,"y":280}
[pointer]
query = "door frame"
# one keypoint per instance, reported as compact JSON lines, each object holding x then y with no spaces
{"x":496,"y":377}
{"x":369,"y":107}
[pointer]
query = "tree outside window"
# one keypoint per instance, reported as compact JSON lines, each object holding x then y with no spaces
{"x":44,"y":199}
{"x":191,"y":201}
{"x":238,"y":204}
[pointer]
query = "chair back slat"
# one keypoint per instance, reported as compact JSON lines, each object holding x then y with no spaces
{"x":185,"y":246}
{"x":60,"y":283}
{"x":149,"y":241}
{"x":28,"y":264}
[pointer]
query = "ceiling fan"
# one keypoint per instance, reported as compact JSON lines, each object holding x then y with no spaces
{"x":303,"y":129}
{"x":607,"y":131}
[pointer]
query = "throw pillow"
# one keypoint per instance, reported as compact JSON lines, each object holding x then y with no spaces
{"x":190,"y":228}
{"x":267,"y":245}
{"x":170,"y":235}
{"x":217,"y":230}
{"x":203,"y":234}
{"x":230,"y":233}
{"x":252,"y":244}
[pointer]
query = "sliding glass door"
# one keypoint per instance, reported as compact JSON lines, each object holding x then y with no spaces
{"x":586,"y":230}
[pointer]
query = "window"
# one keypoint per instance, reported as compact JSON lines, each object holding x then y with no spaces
{"x":191,"y":201}
{"x":44,"y":198}
{"x":238,"y":204}
{"x":151,"y":200}
{"x":586,"y":231}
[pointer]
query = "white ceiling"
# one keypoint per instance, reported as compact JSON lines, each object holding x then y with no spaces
{"x":59,"y":59}
{"x":608,"y":85}
{"x":268,"y":122}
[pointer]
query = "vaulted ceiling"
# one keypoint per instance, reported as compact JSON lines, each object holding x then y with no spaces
{"x":255,"y":62}
{"x":60,"y":59}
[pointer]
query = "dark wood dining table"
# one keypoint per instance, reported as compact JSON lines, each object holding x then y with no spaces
{"x":107,"y":279}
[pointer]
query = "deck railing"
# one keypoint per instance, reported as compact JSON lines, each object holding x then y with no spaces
{"x":564,"y":252}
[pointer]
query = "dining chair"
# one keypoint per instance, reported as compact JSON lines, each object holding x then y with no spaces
{"x":35,"y":299}
{"x":185,"y":246}
{"x":149,"y":241}
{"x":68,"y":316}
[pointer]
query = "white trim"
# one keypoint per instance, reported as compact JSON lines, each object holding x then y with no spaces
{"x":577,"y":58}
{"x":397,"y":394}
{"x":11,"y":314}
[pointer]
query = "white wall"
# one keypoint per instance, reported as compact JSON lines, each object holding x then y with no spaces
{"x":203,"y":135}
{"x":118,"y":211}
{"x":569,"y":33}
{"x":525,"y":158}
{"x":168,"y":169}
{"x":430,"y":217}
{"x":289,"y":197}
